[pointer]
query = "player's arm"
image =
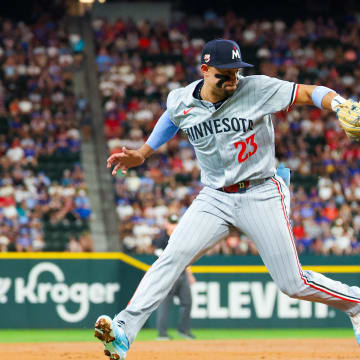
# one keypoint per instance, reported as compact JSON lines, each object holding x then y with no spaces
{"x":347,"y":111}
{"x":163,"y":131}
{"x":315,"y":95}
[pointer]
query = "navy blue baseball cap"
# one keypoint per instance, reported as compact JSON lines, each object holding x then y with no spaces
{"x":223,"y":54}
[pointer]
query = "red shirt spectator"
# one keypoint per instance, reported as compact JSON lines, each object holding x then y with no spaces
{"x":144,"y":43}
{"x":299,"y":232}
{"x":330,"y":212}
{"x":112,"y":125}
{"x":133,"y":104}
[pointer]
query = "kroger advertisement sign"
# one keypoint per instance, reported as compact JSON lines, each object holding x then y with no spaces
{"x":33,"y":291}
{"x":65,"y":293}
{"x":69,"y":293}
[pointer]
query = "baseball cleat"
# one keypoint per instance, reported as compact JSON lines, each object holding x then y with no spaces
{"x":112,"y":336}
{"x":164,"y":337}
{"x":188,"y":335}
{"x":356,"y":325}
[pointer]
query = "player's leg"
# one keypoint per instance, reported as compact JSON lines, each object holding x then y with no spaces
{"x":184,"y":294}
{"x":162,"y":316}
{"x":262,"y":214}
{"x":202,"y":226}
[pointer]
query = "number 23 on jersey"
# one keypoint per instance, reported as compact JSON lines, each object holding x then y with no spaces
{"x":247,"y":148}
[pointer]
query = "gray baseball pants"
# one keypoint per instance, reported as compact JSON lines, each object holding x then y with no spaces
{"x":262,"y":213}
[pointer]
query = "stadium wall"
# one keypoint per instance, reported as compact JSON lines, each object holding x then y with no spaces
{"x":69,"y":290}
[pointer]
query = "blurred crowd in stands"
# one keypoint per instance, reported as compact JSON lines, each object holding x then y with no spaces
{"x":43,"y":196}
{"x":139,"y":63}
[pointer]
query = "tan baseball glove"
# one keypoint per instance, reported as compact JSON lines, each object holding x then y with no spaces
{"x":348,"y":114}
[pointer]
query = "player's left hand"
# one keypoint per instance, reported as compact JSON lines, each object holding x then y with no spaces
{"x":348,"y":114}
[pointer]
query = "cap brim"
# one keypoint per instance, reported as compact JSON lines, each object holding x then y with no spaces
{"x":234,"y":65}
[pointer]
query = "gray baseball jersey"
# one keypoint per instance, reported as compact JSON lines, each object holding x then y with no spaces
{"x":235,"y":142}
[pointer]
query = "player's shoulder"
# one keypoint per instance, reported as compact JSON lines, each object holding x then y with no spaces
{"x":260,"y":79}
{"x":181,"y":96}
{"x":261,"y":82}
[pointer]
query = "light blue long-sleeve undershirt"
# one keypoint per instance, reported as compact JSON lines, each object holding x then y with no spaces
{"x":163,"y":131}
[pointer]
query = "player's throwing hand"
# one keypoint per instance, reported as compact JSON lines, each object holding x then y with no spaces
{"x":125,"y":160}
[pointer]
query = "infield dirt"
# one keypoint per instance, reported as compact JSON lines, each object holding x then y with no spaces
{"x":289,"y":349}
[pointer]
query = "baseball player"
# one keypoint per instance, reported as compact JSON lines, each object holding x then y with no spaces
{"x":227,"y":119}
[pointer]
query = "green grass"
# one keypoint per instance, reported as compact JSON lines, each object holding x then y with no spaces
{"x":68,"y":335}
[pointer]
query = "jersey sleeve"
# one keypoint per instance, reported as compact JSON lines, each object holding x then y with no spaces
{"x":163,"y":131}
{"x":172,"y":103}
{"x":277,"y":94}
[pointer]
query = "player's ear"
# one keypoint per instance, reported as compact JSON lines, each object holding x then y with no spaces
{"x":204,"y":69}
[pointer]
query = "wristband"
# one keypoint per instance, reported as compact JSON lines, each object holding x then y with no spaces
{"x":336,"y":101}
{"x":318,"y":94}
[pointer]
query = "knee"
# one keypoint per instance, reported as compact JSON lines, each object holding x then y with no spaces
{"x":178,"y":253}
{"x":170,"y":261}
{"x":294,"y":289}
{"x":293,"y":293}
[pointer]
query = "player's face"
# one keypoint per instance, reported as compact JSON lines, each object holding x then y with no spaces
{"x":223,"y":80}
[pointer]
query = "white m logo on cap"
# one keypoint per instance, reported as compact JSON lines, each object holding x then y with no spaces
{"x":235,"y":54}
